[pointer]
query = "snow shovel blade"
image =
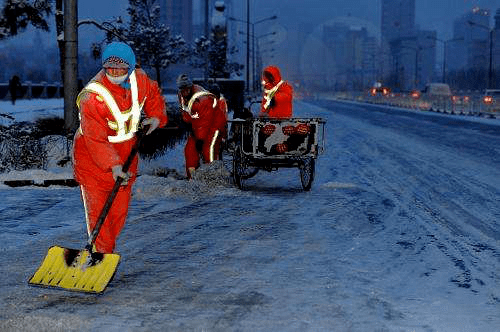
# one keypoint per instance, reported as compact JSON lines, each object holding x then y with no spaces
{"x":76,"y":270}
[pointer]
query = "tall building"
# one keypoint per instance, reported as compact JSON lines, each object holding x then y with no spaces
{"x":426,"y":62}
{"x":354,"y":53}
{"x":399,"y":38}
{"x":469,"y":48}
{"x":496,"y":48}
{"x":398,"y":19}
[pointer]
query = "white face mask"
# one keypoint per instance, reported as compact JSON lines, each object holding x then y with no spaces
{"x":117,"y":79}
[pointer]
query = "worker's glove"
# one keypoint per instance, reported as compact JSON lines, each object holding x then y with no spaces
{"x":272,"y":103}
{"x":153,"y":123}
{"x":117,"y":172}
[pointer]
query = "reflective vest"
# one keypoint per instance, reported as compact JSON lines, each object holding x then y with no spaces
{"x":126,"y":123}
{"x":269,"y":94}
{"x":193,"y":99}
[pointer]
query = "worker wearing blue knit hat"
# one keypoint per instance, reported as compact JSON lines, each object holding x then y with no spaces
{"x":111,"y":106}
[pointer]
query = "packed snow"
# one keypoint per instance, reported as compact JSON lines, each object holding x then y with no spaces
{"x":400,"y":232}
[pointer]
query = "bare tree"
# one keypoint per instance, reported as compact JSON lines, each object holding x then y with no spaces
{"x":152,"y":41}
{"x":209,"y":54}
{"x":17,"y":15}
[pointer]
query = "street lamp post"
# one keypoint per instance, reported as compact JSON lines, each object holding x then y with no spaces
{"x":248,"y":39}
{"x":445,"y":48}
{"x":416,"y":49}
{"x":490,"y":70}
{"x":445,"y":42}
{"x":256,"y":56}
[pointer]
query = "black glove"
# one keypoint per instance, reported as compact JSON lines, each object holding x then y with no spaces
{"x":272,"y":103}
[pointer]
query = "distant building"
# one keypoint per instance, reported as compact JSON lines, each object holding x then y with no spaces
{"x":426,"y":62}
{"x":469,"y":48}
{"x":400,"y":38}
{"x":398,"y":19}
{"x":496,"y":48}
{"x":355,"y":56}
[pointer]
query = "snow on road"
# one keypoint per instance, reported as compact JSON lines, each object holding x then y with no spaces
{"x":400,"y":232}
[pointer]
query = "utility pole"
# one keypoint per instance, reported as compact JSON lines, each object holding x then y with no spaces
{"x":490,"y":35}
{"x":70,"y":83}
{"x":248,"y":46}
{"x":207,"y":35}
{"x":207,"y":24}
{"x":490,"y":69}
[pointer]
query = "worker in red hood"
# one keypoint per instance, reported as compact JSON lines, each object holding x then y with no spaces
{"x":278,"y":95}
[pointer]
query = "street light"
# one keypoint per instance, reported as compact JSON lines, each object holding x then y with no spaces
{"x":416,"y":49}
{"x":490,"y":70}
{"x":445,"y":47}
{"x":255,"y":56}
{"x":248,"y":39}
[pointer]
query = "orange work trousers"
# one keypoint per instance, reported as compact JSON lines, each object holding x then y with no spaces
{"x":93,"y":201}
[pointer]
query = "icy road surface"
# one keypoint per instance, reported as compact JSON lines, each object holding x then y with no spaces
{"x":400,"y":232}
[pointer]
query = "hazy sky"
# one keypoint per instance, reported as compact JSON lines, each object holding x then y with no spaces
{"x":430,"y":14}
{"x":297,"y":14}
{"x":293,"y":16}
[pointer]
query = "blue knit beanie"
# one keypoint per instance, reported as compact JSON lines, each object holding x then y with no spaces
{"x":121,"y":51}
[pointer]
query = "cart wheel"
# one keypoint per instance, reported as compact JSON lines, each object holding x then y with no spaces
{"x":307,"y":173}
{"x":248,"y":172}
{"x":237,"y":168}
{"x":227,"y":160}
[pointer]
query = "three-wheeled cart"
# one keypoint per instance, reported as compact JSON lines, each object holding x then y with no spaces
{"x":269,"y":144}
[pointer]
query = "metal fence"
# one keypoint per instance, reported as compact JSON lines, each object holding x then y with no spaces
{"x":471,"y":105}
{"x":30,"y":90}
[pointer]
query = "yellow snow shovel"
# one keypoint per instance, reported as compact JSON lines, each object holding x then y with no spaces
{"x":83,"y":270}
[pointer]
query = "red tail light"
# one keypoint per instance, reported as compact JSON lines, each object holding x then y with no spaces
{"x":487,"y":100}
{"x":415,"y":94}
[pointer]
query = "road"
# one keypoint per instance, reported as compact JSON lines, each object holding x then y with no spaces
{"x":400,"y":232}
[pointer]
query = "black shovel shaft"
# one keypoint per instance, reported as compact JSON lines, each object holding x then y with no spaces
{"x":114,"y":191}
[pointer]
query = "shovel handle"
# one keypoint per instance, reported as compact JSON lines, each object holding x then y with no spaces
{"x":109,"y":201}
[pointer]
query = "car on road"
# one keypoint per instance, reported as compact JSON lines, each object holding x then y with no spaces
{"x":435,"y":96}
{"x":379,"y":90}
{"x":491,"y":100}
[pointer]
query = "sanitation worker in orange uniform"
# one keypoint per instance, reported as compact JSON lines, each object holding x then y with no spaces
{"x":278,"y":95}
{"x":207,"y":116}
{"x":110,"y":109}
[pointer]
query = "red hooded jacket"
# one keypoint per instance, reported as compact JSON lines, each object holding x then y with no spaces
{"x":278,"y":95}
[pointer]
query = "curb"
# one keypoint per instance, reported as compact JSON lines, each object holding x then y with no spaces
{"x":44,"y":183}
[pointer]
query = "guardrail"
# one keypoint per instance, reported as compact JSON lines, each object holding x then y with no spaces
{"x":463,"y":105}
{"x":33,"y":90}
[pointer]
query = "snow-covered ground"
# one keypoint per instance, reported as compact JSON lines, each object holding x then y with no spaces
{"x":400,"y":232}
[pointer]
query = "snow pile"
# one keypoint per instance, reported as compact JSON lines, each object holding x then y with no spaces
{"x":208,"y":180}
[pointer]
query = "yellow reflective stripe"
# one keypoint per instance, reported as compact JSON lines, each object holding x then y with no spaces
{"x":269,"y":94}
{"x":212,"y":144}
{"x":196,"y":96}
{"x":85,"y":209}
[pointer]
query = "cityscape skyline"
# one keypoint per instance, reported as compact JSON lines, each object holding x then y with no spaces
{"x":294,"y":30}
